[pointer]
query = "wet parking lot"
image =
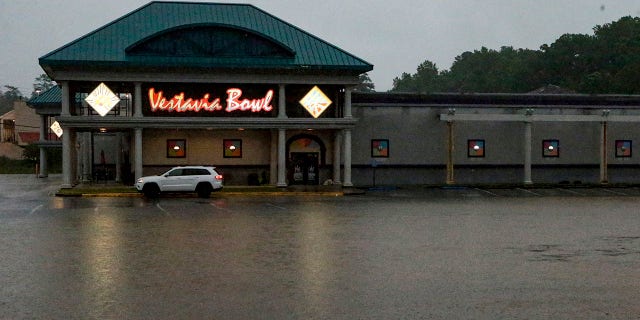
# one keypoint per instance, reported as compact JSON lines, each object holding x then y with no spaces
{"x":419,"y":253}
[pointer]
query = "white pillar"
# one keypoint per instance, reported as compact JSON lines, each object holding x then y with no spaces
{"x":138,"y":153}
{"x":347,"y":158}
{"x":282,"y":169}
{"x":273,"y":164}
{"x":282,"y":102}
{"x":65,"y":107}
{"x":87,"y":156}
{"x":347,"y":102}
{"x":137,"y":100}
{"x":118,"y":154}
{"x":527,"y":153}
{"x":44,"y":170}
{"x":337,"y":147}
{"x":78,"y":156}
{"x":67,"y":155}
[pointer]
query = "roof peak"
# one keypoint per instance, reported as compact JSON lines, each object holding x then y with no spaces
{"x":107,"y":46}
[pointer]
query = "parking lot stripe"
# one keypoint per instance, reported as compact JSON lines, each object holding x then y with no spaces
{"x":571,"y":191}
{"x":162,"y":209}
{"x":277,"y":207}
{"x":615,"y":192}
{"x":220,"y":208}
{"x":487,"y":191}
{"x":35,"y":209}
{"x":530,"y":192}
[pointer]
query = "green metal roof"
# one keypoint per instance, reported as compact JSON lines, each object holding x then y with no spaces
{"x":53,"y":96}
{"x":148,"y":37}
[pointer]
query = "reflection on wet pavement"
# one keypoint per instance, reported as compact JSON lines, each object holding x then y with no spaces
{"x":399,"y":255}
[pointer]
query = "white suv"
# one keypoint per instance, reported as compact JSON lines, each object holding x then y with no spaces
{"x":200,"y":179}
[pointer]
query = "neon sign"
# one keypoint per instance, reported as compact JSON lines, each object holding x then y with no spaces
{"x":316,"y":102}
{"x":234,"y":102}
{"x":102,"y":99}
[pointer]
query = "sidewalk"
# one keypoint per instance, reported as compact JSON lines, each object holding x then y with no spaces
{"x":111,"y":189}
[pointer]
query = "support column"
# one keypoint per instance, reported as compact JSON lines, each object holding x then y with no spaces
{"x":282,"y":169}
{"x":604,"y":175}
{"x":282,"y":102}
{"x":65,"y":104}
{"x":347,"y":158}
{"x":450,"y":177}
{"x":337,"y":147}
{"x":78,"y":165}
{"x":138,"y":153}
{"x":67,"y":157}
{"x":118,"y":154}
{"x":44,"y":170}
{"x":137,"y":100}
{"x":527,"y":153}
{"x":273,"y":170}
{"x":87,"y":156}
{"x":347,"y":102}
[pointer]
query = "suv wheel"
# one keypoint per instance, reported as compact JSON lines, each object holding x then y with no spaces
{"x":203,"y":190}
{"x":151,"y":190}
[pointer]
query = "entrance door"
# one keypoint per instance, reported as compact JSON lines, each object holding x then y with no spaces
{"x":304,"y":168}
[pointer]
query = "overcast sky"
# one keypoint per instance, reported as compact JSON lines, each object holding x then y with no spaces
{"x":394,"y":36}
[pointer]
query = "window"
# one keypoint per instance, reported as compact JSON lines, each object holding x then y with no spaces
{"x":551,"y":148}
{"x":475,"y":148}
{"x":175,"y":173}
{"x":380,"y":148}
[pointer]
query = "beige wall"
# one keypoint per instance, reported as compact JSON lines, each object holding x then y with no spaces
{"x":26,"y":120}
{"x":204,"y":147}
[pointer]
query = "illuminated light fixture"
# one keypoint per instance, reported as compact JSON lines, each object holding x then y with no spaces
{"x":232,"y":147}
{"x":240,"y":129}
{"x":103,"y":130}
{"x":315,"y":101}
{"x":551,"y":148}
{"x":57,"y":129}
{"x":102,"y":99}
{"x":176,"y":147}
{"x":476,"y":148}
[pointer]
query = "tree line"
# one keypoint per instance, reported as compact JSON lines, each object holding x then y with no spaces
{"x":10,"y":94}
{"x":606,"y":62}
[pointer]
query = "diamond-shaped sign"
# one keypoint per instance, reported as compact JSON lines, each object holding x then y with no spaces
{"x":315,"y":101}
{"x":102,"y":100}
{"x":57,"y":129}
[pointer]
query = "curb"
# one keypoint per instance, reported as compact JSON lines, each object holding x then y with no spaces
{"x":219,"y":194}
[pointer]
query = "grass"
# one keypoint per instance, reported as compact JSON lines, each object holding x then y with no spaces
{"x":10,"y":166}
{"x":97,"y":189}
{"x":121,"y":189}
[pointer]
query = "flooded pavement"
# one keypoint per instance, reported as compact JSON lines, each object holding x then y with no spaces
{"x":395,"y":254}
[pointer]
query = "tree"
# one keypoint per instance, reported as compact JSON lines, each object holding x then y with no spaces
{"x":569,"y":59}
{"x":606,"y":62}
{"x":42,"y":84}
{"x":487,"y":70}
{"x":12,"y":93}
{"x":426,"y":79}
{"x":8,"y":97}
{"x":365,"y":85}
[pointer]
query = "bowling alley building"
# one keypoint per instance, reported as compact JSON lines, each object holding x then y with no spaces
{"x":232,"y":86}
